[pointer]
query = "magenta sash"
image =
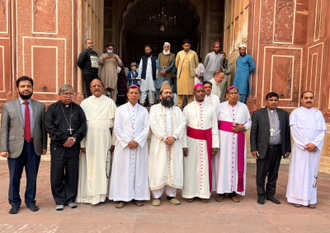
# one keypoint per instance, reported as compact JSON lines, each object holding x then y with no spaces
{"x":226,"y":126}
{"x":204,"y":134}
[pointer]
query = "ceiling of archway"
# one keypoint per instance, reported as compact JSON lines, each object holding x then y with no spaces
{"x":137,"y":19}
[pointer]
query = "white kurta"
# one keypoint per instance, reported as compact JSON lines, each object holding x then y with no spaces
{"x":225,"y":161}
{"x":148,"y":83}
{"x":129,"y":175}
{"x":200,"y":69}
{"x":216,"y":88}
{"x":307,"y":125}
{"x":212,"y":99}
{"x":213,"y":62}
{"x":94,"y":166}
{"x":196,"y":169}
{"x":165,"y":163}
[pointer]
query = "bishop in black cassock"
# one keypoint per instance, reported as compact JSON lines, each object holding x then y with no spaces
{"x":65,"y":123}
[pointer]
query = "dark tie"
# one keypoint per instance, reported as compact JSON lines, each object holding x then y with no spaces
{"x":27,"y":128}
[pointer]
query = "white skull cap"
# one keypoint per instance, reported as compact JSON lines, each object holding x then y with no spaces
{"x":167,"y":44}
{"x":242,"y":45}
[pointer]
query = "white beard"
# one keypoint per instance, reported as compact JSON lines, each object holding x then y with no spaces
{"x":166,"y":52}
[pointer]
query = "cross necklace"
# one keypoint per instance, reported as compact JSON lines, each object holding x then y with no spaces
{"x":272,"y":122}
{"x":69,"y":129}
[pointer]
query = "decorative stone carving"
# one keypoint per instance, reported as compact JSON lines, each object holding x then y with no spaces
{"x":284,"y":21}
{"x":44,"y":16}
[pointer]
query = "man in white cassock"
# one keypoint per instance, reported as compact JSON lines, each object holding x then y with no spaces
{"x":200,"y":144}
{"x":209,"y":96}
{"x":129,"y":175}
{"x":165,"y":160}
{"x":94,"y":161}
{"x":230,"y":163}
{"x":308,"y":130}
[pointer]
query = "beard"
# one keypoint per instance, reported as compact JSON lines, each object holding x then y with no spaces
{"x":168,"y":103}
{"x":166,"y":52}
{"x":242,"y":54}
{"x":148,"y":54}
{"x":25,"y":96}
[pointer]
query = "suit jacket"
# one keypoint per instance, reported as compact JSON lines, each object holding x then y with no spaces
{"x":12,"y":128}
{"x":260,"y":133}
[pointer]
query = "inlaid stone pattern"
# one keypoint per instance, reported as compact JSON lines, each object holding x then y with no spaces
{"x":284,"y":20}
{"x":3,"y":16}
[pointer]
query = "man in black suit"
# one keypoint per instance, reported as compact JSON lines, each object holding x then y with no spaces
{"x":270,"y":139}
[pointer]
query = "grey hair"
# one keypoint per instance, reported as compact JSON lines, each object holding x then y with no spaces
{"x":65,"y":87}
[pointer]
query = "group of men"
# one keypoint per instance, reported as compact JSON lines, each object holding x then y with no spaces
{"x":179,"y":70}
{"x":198,"y":150}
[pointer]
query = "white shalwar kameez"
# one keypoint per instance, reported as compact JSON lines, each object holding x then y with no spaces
{"x":147,"y":85}
{"x":198,"y":115}
{"x":166,"y":162}
{"x":307,"y":126}
{"x":129,"y":175}
{"x":225,"y":161}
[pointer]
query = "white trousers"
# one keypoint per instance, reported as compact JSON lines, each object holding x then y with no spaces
{"x":151,"y":97}
{"x":170,"y":191}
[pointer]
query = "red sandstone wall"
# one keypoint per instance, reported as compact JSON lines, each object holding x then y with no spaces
{"x":38,"y":39}
{"x":290,"y":45}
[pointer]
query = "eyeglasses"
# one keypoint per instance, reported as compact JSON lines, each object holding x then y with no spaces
{"x":67,"y":94}
{"x":95,"y":86}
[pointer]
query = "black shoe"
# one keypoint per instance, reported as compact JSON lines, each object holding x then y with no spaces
{"x":273,"y":199}
{"x":261,"y":200}
{"x":13,"y":210}
{"x":33,"y":208}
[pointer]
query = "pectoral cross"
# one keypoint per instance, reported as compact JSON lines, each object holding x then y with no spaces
{"x":198,"y":125}
{"x":272,"y":131}
{"x":70,"y":130}
{"x":132,"y":126}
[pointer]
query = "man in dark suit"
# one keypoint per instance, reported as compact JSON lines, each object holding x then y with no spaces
{"x":270,"y":139}
{"x":23,"y":139}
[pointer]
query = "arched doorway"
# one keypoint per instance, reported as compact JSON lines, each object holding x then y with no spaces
{"x":137,"y":30}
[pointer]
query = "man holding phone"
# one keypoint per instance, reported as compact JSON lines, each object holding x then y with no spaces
{"x":109,"y":62}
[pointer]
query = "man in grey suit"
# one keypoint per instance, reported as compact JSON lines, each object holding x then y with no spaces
{"x":23,"y":139}
{"x":270,"y":139}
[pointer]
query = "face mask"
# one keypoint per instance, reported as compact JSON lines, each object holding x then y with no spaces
{"x":110,"y":52}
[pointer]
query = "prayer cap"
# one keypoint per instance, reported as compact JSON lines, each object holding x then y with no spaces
{"x":165,"y":85}
{"x":242,"y":45}
{"x":217,"y":42}
{"x":198,"y":85}
{"x":167,"y":44}
{"x":133,"y":64}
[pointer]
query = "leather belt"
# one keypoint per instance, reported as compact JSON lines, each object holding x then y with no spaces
{"x":31,"y":140}
{"x":274,"y":146}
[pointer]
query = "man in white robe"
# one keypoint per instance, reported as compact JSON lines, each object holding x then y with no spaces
{"x":147,"y":75}
{"x":216,"y":81}
{"x":308,"y":130}
{"x":166,"y":157}
{"x":94,"y":161}
{"x":230,"y":163}
{"x":213,"y":62}
{"x":200,"y":144}
{"x":129,"y":175}
{"x":209,"y":96}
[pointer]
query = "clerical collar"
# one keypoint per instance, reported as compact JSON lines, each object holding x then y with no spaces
{"x":270,"y":110}
{"x":132,"y":104}
{"x":232,"y":105}
{"x":66,"y":105}
{"x":97,"y":97}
